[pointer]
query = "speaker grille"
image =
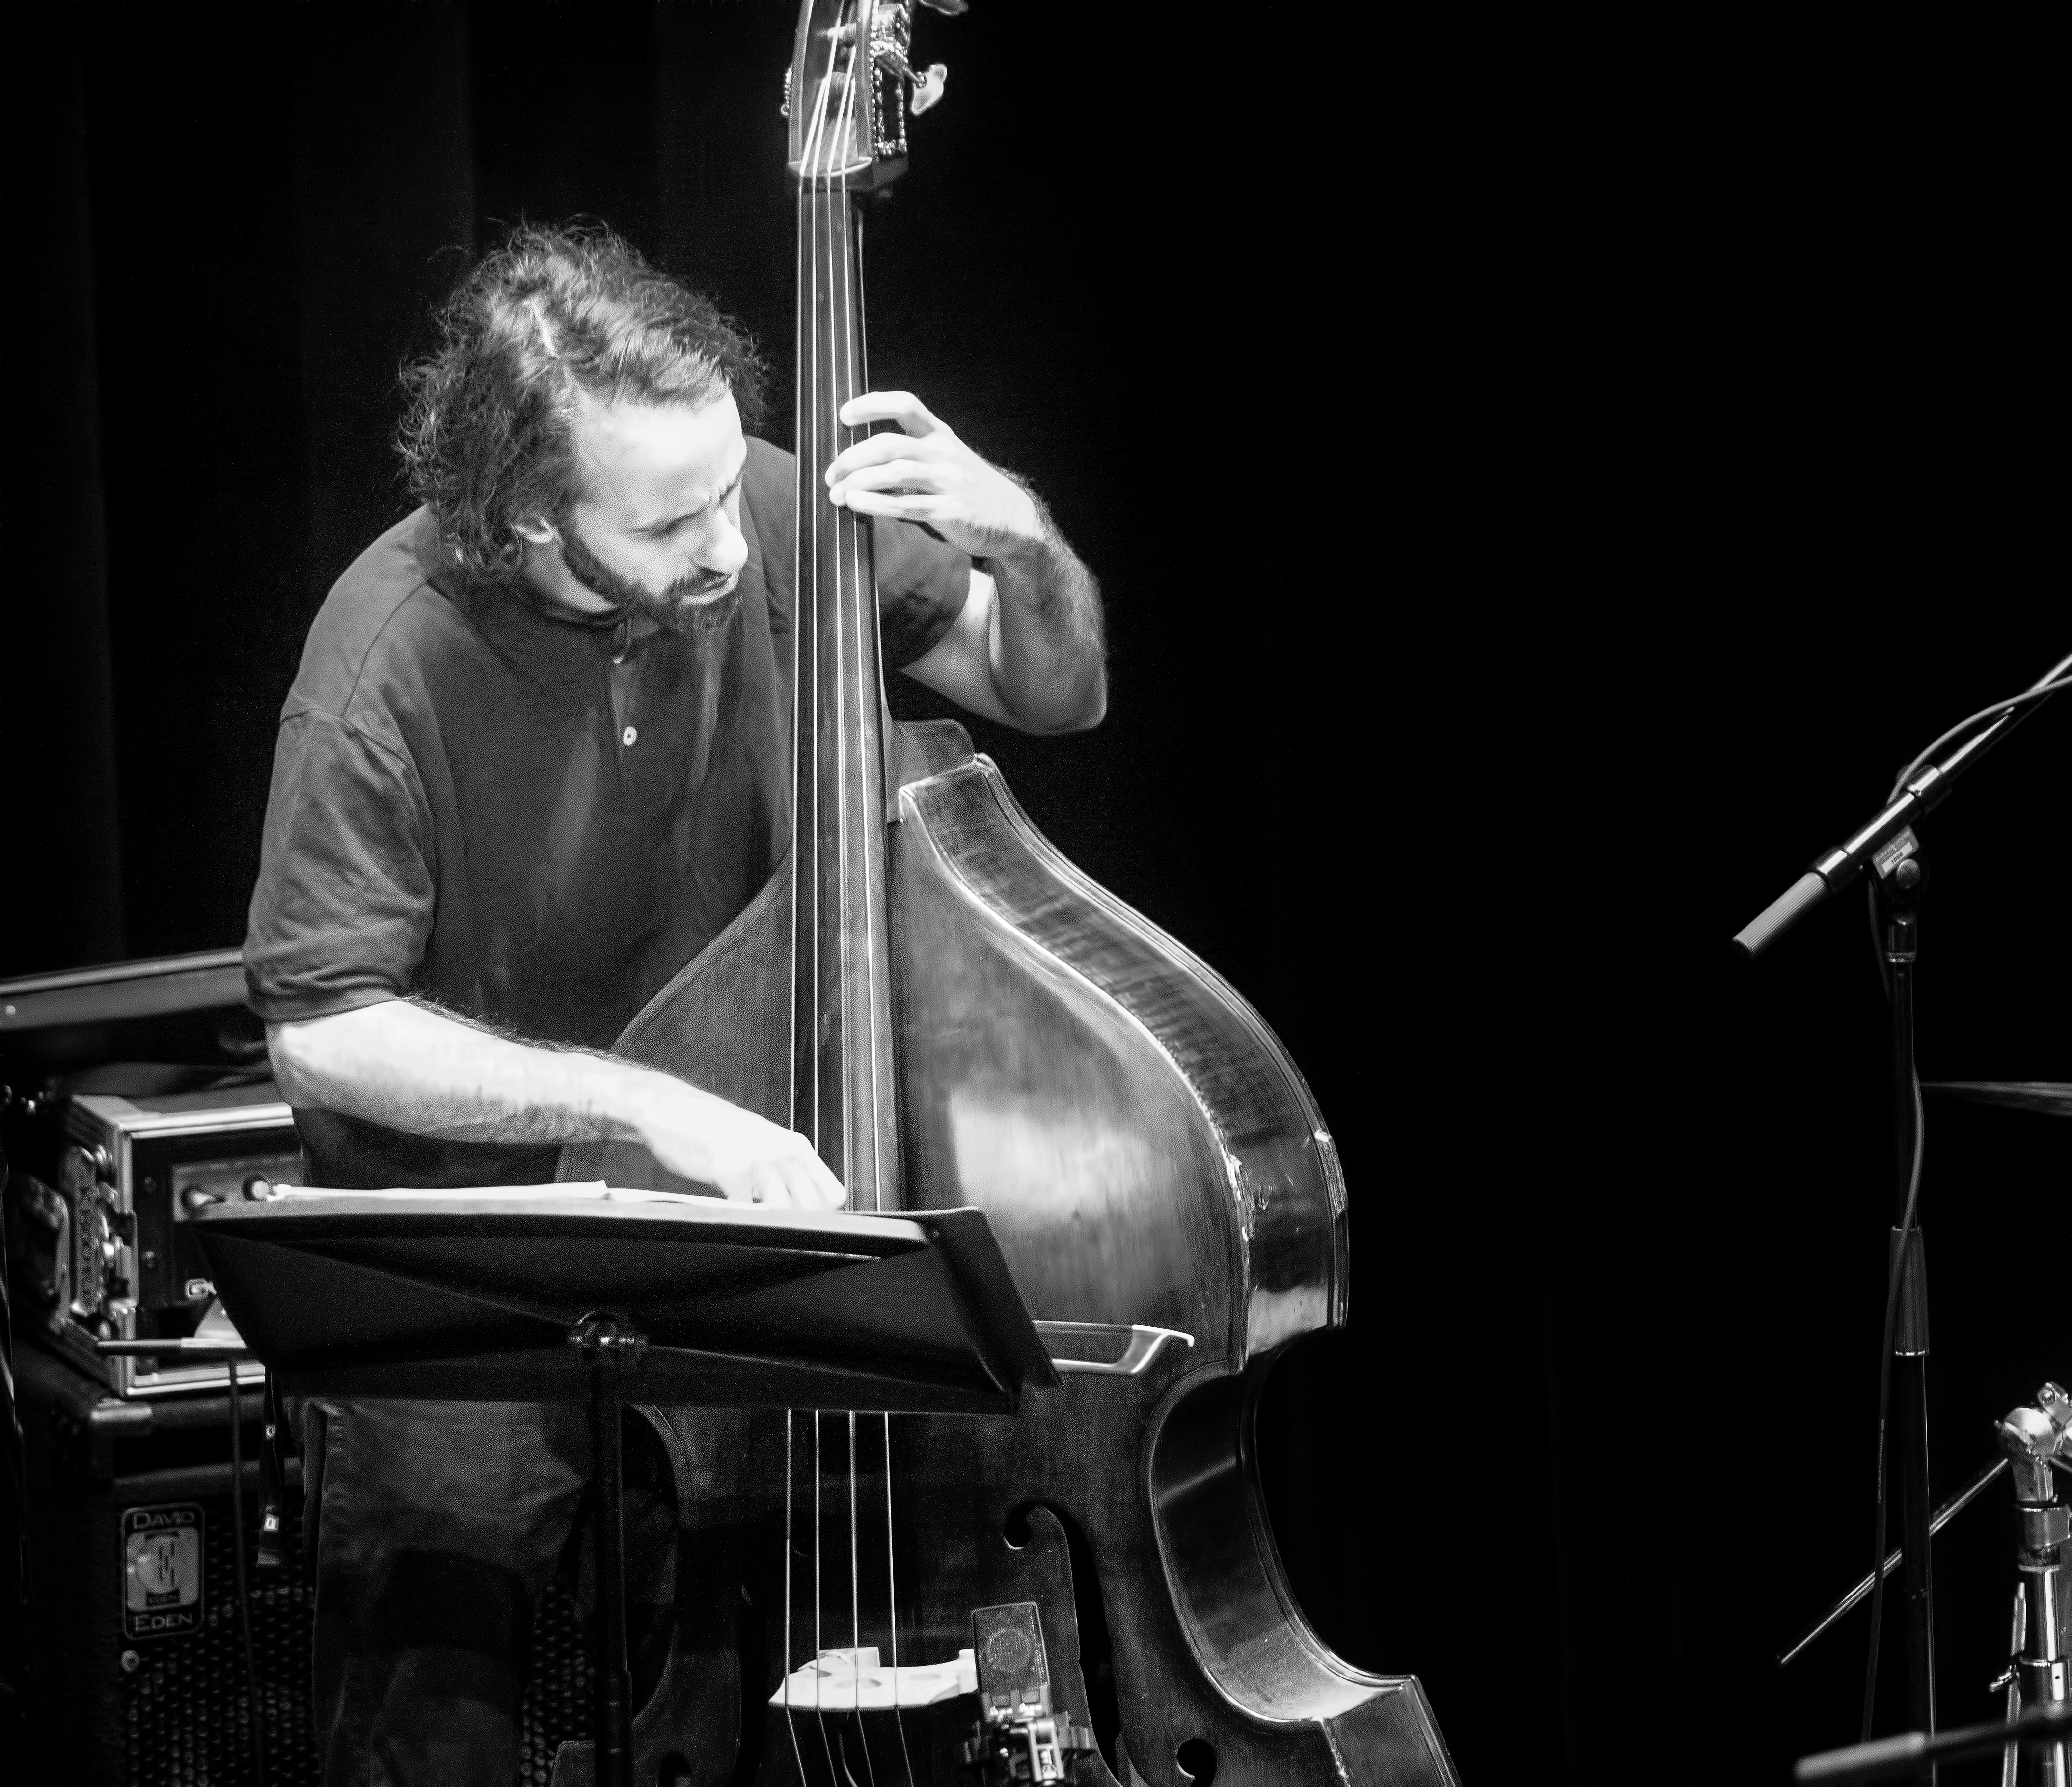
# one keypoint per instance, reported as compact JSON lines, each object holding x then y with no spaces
{"x":556,"y":1705}
{"x":186,"y":1723}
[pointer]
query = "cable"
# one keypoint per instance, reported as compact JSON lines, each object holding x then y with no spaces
{"x":1877,"y":937}
{"x":2041,"y":692}
{"x":1998,"y":711}
{"x":1884,"y":1398}
{"x":243,"y":1594}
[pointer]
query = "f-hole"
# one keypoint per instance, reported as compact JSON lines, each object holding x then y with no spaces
{"x":1096,"y":1651}
{"x":1197,"y":1758}
{"x":753,"y":1651}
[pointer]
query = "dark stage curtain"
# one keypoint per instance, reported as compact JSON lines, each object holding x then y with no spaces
{"x":1209,"y":337}
{"x":1543,"y":478}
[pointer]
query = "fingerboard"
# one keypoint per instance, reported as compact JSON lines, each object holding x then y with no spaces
{"x":843,"y":1095}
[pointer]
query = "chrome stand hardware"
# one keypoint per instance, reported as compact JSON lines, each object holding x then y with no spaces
{"x":1948,"y":1512}
{"x":2009,"y":1681}
{"x":2034,"y":1439}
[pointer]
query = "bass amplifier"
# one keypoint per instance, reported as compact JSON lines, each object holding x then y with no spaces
{"x":100,"y":1242}
{"x":139,"y":1096}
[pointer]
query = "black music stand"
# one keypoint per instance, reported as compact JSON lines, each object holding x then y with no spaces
{"x":553,"y":1294}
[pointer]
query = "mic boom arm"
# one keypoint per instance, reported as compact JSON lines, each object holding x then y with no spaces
{"x":1836,"y":868}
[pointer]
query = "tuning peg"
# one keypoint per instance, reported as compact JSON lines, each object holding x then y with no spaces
{"x":928,"y":88}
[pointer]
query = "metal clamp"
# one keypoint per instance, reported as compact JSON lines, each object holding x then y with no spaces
{"x":602,"y":1337}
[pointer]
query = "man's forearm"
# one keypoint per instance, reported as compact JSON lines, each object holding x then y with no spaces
{"x":414,"y":1067}
{"x":1048,"y":652}
{"x":410,"y":1066}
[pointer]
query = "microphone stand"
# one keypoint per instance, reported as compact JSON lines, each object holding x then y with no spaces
{"x":1888,"y":846}
{"x":1902,"y":889}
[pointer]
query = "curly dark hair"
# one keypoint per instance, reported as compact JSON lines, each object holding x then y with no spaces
{"x":555,"y":312}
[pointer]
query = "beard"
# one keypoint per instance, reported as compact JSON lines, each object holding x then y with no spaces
{"x":685,"y":606}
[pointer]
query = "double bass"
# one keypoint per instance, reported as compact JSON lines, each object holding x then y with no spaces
{"x":957,"y":1016}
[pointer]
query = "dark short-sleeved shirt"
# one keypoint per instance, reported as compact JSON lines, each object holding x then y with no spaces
{"x":528,"y":816}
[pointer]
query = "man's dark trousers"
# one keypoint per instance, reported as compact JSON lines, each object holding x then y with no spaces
{"x":433,"y":1528}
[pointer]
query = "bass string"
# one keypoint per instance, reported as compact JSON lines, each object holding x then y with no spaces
{"x":856,"y":1611}
{"x":805,"y":817}
{"x":875,"y":646}
{"x":856,"y":617}
{"x":869,"y":640}
{"x":852,"y":618}
{"x":829,"y":223}
{"x":802,"y":833}
{"x":826,"y":214}
{"x":819,"y":1678}
{"x":869,"y":648}
{"x":826,"y":201}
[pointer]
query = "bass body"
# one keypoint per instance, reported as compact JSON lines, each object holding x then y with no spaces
{"x":1149,"y":1157}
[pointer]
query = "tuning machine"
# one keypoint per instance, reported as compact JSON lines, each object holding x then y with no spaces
{"x":928,"y":84}
{"x":889,"y":29}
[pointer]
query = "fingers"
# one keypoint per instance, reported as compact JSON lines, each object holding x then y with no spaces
{"x":791,"y":1175}
{"x":919,"y":508}
{"x":900,"y":407}
{"x":880,"y":453}
{"x":766,"y":1184}
{"x":893,"y":477}
{"x":808,"y":1185}
{"x":872,"y":450}
{"x":749,"y":1159}
{"x":898,"y":474}
{"x":820,"y":1190}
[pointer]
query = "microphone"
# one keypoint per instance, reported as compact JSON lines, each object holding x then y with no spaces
{"x":1885,"y":842}
{"x":1888,"y":839}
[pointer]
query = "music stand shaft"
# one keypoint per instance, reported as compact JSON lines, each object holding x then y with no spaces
{"x":606,"y":1344}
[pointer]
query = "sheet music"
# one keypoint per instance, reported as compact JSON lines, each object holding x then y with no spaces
{"x":594,"y":1189}
{"x":570,"y":1199}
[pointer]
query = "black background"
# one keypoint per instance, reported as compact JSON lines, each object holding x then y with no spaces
{"x":1544,"y":478}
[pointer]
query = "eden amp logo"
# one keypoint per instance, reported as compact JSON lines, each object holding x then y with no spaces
{"x":161,"y":1559}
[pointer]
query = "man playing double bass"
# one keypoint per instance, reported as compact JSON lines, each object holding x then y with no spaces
{"x":537,"y":757}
